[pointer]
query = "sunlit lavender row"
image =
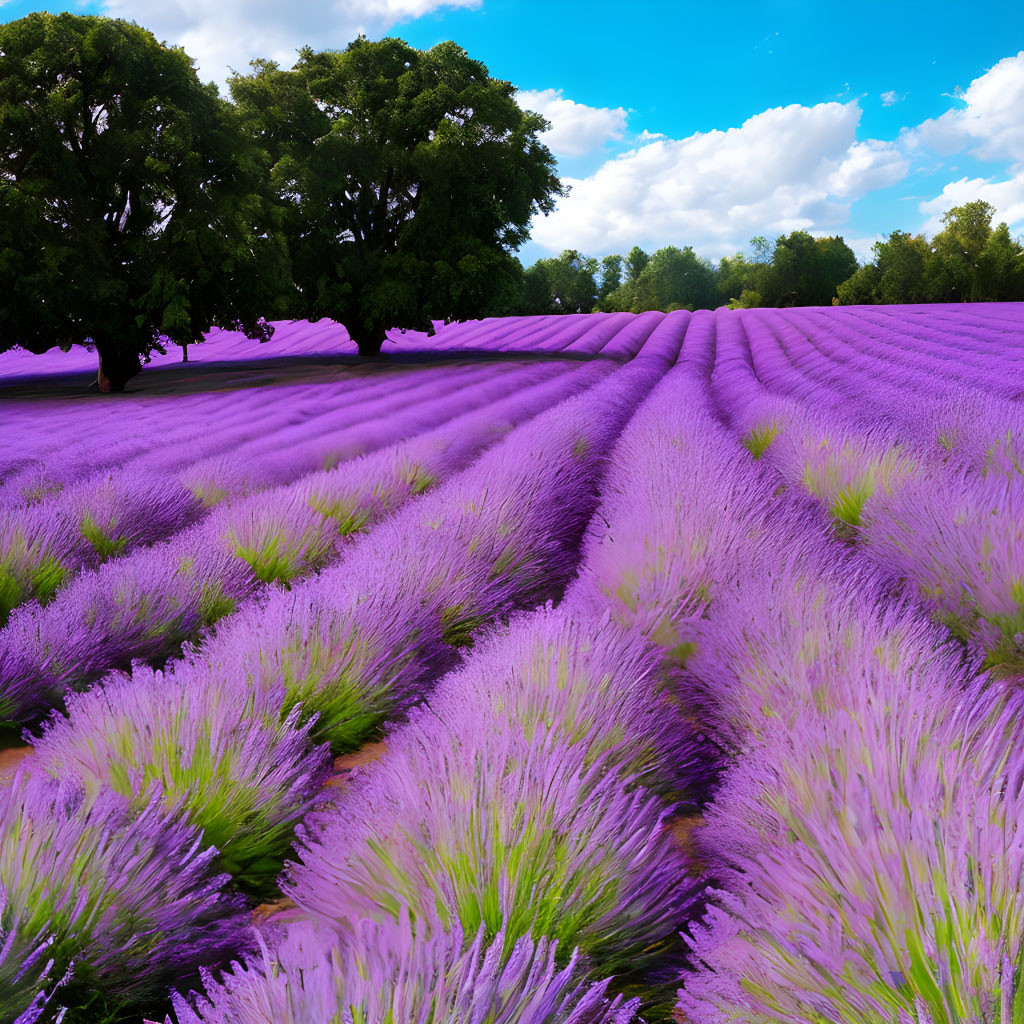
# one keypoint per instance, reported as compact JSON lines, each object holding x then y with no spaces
{"x":554,"y":670}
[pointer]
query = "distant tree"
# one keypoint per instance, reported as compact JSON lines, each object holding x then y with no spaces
{"x":535,"y":298}
{"x":861,"y":288}
{"x":903,"y":262}
{"x":636,"y":260}
{"x":959,"y":247}
{"x":763,"y":250}
{"x":736,"y":275}
{"x":620,"y":300}
{"x":562,"y":284}
{"x":748,"y":300}
{"x":675,"y":279}
{"x":836,"y":262}
{"x":407,"y":178}
{"x":611,"y":275}
{"x":805,"y":271}
{"x":1001,"y":267}
{"x":131,"y":203}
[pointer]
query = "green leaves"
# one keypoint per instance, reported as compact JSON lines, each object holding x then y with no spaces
{"x":129,"y":190}
{"x":402,"y":178}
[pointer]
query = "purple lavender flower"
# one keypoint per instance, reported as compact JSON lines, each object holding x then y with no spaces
{"x":144,"y":605}
{"x":491,"y":827}
{"x":222,"y":755}
{"x":960,"y":540}
{"x":582,"y":681}
{"x":872,"y":868}
{"x":127,"y":509}
{"x":37,"y":554}
{"x":25,"y":969}
{"x":128,"y":897}
{"x":395,"y":972}
{"x":655,"y":560}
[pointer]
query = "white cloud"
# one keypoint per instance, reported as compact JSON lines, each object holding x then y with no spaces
{"x":867,"y":166}
{"x":990,"y":122}
{"x":575,"y":128}
{"x":1006,"y":196}
{"x":784,"y":169}
{"x":890,"y":98}
{"x":862,"y":247}
{"x":646,"y":136}
{"x":230,"y":33}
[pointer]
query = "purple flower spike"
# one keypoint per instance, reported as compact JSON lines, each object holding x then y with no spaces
{"x":26,"y":966}
{"x":221,"y":752}
{"x":489,"y":826}
{"x":395,"y":973}
{"x":581,"y":681}
{"x":128,"y":898}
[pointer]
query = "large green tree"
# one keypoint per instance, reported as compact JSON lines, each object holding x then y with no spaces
{"x":130,"y":197}
{"x":675,"y":279}
{"x":806,"y":271}
{"x":959,"y":247}
{"x":406,"y":179}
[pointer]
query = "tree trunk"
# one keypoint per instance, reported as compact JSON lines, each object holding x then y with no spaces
{"x":184,"y":353}
{"x":116,"y":368}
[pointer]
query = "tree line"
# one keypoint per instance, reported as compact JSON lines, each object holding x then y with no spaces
{"x":968,"y":261}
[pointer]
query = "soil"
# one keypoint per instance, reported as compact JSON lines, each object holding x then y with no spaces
{"x":282,"y":910}
{"x":9,"y":761}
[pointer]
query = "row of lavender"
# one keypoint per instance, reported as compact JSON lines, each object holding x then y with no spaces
{"x":145,"y":604}
{"x":144,"y":816}
{"x":863,"y":675}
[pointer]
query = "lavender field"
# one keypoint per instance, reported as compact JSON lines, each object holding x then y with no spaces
{"x":580,"y":669}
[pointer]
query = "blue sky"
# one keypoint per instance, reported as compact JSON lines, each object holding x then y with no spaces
{"x":849,"y":119}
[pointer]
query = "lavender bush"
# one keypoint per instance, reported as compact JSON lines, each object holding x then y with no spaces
{"x":127,"y":898}
{"x":221,"y":756}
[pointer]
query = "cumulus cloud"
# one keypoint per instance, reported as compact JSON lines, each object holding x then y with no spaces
{"x":230,"y":33}
{"x":784,"y":169}
{"x":575,"y":128}
{"x":867,"y":166}
{"x":1006,"y":196}
{"x":890,"y":98}
{"x":989,"y":123}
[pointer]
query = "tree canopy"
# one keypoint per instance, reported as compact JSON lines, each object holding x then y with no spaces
{"x":131,"y":202}
{"x":968,"y":261}
{"x":562,"y":284}
{"x":406,"y":179}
